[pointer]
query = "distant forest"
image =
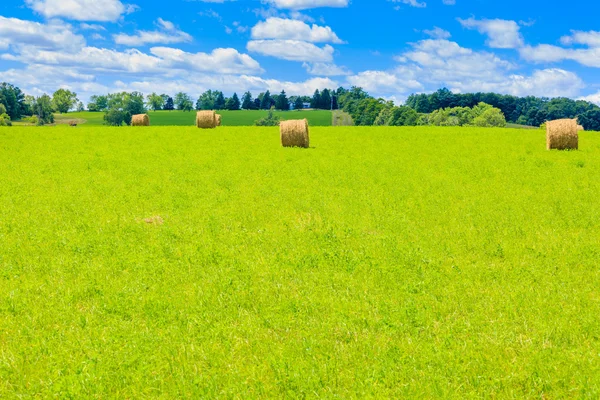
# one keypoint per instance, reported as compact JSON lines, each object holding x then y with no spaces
{"x":439,"y":108}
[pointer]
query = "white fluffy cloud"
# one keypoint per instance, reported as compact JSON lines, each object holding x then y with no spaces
{"x":431,"y":64}
{"x":502,"y":34}
{"x":161,"y":60}
{"x":80,"y":10}
{"x":291,"y":50}
{"x":54,"y":35}
{"x":412,"y":3}
{"x":381,"y":82}
{"x":545,"y":53}
{"x":437,"y":33}
{"x":591,"y":38}
{"x":307,"y":4}
{"x":167,"y":34}
{"x":282,"y":28}
{"x":592,"y":98}
{"x":223,"y":61}
{"x":326,"y":69}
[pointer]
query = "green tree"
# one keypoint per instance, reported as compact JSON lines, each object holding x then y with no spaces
{"x":247,"y":102}
{"x":219,"y":100}
{"x":183,"y":102}
{"x":325,"y":102}
{"x":13,"y":100}
{"x":169,"y":104}
{"x":491,"y":117}
{"x":282,"y":102}
{"x":155,"y":101}
{"x":43,"y":110}
{"x":298,"y":103}
{"x":266,"y":102}
{"x":233,"y":103}
{"x":63,"y":100}
{"x":207,"y":100}
{"x":315,"y":102}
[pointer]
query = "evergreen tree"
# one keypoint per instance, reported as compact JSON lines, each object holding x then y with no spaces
{"x":315,"y":102}
{"x":235,"y":102}
{"x":219,"y":101}
{"x":282,"y":102}
{"x":247,"y":102}
{"x":325,"y":102}
{"x":169,"y":104}
{"x":266,"y":101}
{"x":298,"y":103}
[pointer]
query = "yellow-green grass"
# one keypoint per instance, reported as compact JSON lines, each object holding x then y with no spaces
{"x":379,"y":263}
{"x":230,"y":118}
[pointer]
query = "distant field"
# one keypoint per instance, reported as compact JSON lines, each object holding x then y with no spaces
{"x":230,"y":118}
{"x":381,"y":263}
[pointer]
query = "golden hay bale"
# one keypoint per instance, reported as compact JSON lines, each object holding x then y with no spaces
{"x":294,"y":133}
{"x":218,"y":116}
{"x":561,"y":134}
{"x":580,"y":128}
{"x":206,"y":119}
{"x":140,"y":120}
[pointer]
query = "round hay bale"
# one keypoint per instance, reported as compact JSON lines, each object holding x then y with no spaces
{"x":580,"y":128}
{"x":294,"y":133}
{"x":561,"y":134}
{"x":206,"y":119}
{"x":140,"y":120}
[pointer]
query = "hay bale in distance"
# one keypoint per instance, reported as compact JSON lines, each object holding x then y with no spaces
{"x":206,"y":119}
{"x":140,"y":120}
{"x":561,"y":134}
{"x":218,"y":116}
{"x":294,"y":133}
{"x":580,"y":128}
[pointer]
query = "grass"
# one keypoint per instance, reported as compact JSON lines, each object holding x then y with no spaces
{"x":380,"y":263}
{"x":230,"y":118}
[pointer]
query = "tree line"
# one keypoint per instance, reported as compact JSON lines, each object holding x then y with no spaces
{"x":439,"y":108}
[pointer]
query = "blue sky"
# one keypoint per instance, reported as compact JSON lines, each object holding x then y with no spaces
{"x":390,"y":48}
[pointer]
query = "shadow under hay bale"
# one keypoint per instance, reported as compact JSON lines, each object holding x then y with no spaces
{"x":218,"y":117}
{"x":561,"y":134}
{"x":294,"y":133}
{"x":140,"y":120}
{"x":206,"y":120}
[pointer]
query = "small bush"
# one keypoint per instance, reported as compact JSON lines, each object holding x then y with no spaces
{"x":269,"y":120}
{"x":5,"y":120}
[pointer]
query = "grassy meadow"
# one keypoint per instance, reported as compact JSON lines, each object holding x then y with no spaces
{"x":380,"y":263}
{"x":183,"y":118}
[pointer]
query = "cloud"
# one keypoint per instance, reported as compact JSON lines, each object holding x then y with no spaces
{"x":168,"y":34}
{"x":546,"y":53}
{"x":224,"y":61}
{"x":162,"y":60}
{"x":81,"y":10}
{"x":431,"y":64}
{"x":54,"y":35}
{"x":592,"y":98}
{"x":326,"y":69}
{"x":412,"y":3}
{"x":91,"y":27}
{"x":307,"y":4}
{"x":291,"y":50}
{"x":280,"y":28}
{"x":502,"y":34}
{"x":437,"y":33}
{"x":591,"y":38}
{"x":382,"y":82}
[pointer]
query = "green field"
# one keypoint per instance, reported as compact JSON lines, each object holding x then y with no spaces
{"x":230,"y":118}
{"x":380,"y":263}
